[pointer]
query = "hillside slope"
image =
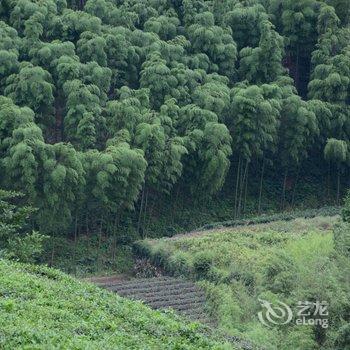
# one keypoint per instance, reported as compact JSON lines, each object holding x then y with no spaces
{"x":291,"y":262}
{"x":41,"y":308}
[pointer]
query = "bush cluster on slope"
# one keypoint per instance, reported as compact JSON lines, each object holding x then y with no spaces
{"x":42,"y":308}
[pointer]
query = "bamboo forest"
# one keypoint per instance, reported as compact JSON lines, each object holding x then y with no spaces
{"x":193,"y":155}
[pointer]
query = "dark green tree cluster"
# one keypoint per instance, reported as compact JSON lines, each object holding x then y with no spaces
{"x":109,"y":105}
{"x":16,"y":242}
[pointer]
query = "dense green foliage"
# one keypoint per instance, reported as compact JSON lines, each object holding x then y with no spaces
{"x":107,"y":106}
{"x":15,"y":242}
{"x":42,"y":308}
{"x":122,"y":119}
{"x":286,"y":261}
{"x":342,"y":231}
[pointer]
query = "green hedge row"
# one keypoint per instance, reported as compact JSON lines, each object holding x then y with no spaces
{"x":264,"y":219}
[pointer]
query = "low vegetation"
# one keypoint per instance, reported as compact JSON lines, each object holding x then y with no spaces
{"x":179,"y":294}
{"x":288,"y":261}
{"x":42,"y":308}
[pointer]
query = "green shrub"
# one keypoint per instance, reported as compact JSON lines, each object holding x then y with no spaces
{"x":342,"y":231}
{"x":160,"y":255}
{"x":180,"y":264}
{"x":280,"y":273}
{"x":15,"y":241}
{"x":243,"y":275}
{"x":342,"y":238}
{"x":288,"y":261}
{"x":343,"y":338}
{"x":346,"y":210}
{"x":202,"y":262}
{"x":218,"y":275}
{"x":142,"y":248}
{"x":170,"y":231}
{"x":299,"y":338}
{"x":27,"y":248}
{"x":222,"y":306}
{"x":266,"y":338}
{"x":127,"y":236}
{"x":272,"y":238}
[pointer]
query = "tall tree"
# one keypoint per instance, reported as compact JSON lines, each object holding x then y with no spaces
{"x":84,"y":116}
{"x":297,"y":20}
{"x":91,"y":47}
{"x":216,"y":42}
{"x":253,"y":123}
{"x":33,"y":87}
{"x":336,"y":151}
{"x":297,"y":132}
{"x":263,"y":64}
{"x":15,"y":240}
{"x":243,"y":20}
{"x":157,"y":77}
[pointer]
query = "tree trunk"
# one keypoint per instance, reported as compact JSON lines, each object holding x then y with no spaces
{"x":338,"y":187}
{"x":246,"y":190}
{"x":295,"y":186}
{"x":237,"y":184}
{"x":87,"y":223}
{"x":284,"y":190}
{"x":145,"y":213}
{"x":140,"y":212}
{"x":150,"y":215}
{"x":115,"y":229}
{"x":329,"y":183}
{"x":99,"y":247}
{"x":261,"y":185}
{"x":297,"y":75}
{"x":241,"y":188}
{"x":52,"y":250}
{"x":74,"y":265}
{"x":174,"y":205}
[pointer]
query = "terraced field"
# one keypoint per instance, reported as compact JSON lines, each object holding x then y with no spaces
{"x":183,"y":296}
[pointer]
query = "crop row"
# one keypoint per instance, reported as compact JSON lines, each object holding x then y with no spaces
{"x":154,"y":290}
{"x":188,"y":305}
{"x":137,"y":281}
{"x":164,"y":295}
{"x":154,"y":286}
{"x":174,"y":303}
{"x":165,"y":292}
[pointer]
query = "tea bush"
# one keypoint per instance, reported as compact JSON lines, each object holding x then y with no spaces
{"x":202,"y":263}
{"x":42,"y":308}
